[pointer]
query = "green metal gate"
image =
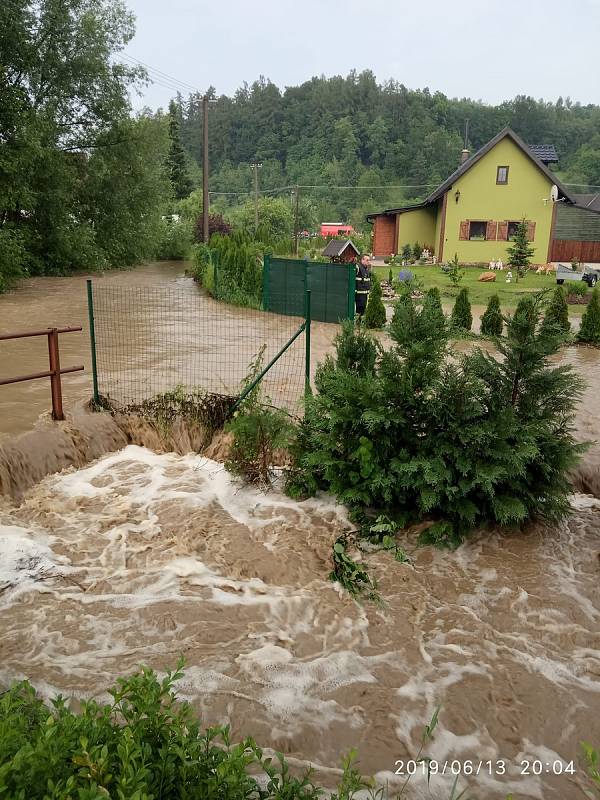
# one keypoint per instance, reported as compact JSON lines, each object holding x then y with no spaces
{"x":332,"y":288}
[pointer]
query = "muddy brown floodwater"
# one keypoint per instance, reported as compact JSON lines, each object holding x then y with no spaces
{"x":141,"y":556}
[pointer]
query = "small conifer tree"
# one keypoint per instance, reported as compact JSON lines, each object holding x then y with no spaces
{"x":461,"y":318}
{"x":417,"y":251}
{"x":455,"y":271}
{"x":491,"y":321}
{"x":407,"y":252}
{"x":590,"y":321}
{"x":521,"y":251}
{"x":432,"y":310}
{"x":375,"y":312}
{"x":557,"y":312}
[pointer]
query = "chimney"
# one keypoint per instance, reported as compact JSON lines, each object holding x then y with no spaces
{"x":465,"y":151}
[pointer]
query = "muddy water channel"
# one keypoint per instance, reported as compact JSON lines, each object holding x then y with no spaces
{"x":141,"y":556}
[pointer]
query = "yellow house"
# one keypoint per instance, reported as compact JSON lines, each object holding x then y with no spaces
{"x":474,"y":213}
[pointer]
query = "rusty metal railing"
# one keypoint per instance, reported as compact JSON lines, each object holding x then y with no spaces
{"x":55,"y":370}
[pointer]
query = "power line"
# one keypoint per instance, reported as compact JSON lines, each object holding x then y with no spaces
{"x":159,"y":72}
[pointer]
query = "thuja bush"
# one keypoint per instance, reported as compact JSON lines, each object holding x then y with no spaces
{"x":492,"y":321}
{"x":589,"y":332}
{"x":557,"y":312}
{"x":375,"y":313}
{"x":461,"y":318}
{"x":231,"y":268}
{"x":460,"y":441}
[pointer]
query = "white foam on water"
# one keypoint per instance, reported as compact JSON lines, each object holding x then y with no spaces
{"x":299,"y":652}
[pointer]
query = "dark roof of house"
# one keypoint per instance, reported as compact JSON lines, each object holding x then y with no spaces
{"x":589,"y":201}
{"x":336,"y":247}
{"x":545,"y":152}
{"x":443,"y":187}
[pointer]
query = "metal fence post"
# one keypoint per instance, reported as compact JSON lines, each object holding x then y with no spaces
{"x":90,"y":300}
{"x":55,"y":387}
{"x":351,"y":290}
{"x":266,"y":277}
{"x":307,"y":322}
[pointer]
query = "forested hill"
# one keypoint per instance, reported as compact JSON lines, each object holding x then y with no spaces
{"x":355,"y":131}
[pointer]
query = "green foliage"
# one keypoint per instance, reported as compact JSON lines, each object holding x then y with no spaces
{"x":176,"y":161}
{"x":589,"y":332}
{"x":463,"y":441}
{"x":175,"y":241}
{"x":492,"y":321}
{"x":592,"y":759}
{"x":83,"y":184}
{"x":407,"y":252}
{"x":557,"y":312}
{"x":461,"y":318}
{"x":433,"y":313}
{"x":13,"y":258}
{"x":578,"y":288}
{"x":231,"y":269}
{"x":520,"y":252}
{"x":390,"y":277}
{"x":454,"y":271}
{"x":352,"y":575}
{"x":375,"y":312}
{"x":417,"y":250}
{"x":258,"y":432}
{"x":274,"y":215}
{"x":143,"y":744}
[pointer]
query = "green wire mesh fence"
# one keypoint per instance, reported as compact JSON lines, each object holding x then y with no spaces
{"x":152,"y":342}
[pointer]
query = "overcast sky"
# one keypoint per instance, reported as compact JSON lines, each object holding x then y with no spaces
{"x":489,"y":50}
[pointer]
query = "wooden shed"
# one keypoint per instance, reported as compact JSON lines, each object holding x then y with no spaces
{"x":341,"y":251}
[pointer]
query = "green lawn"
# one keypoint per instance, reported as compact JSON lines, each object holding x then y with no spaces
{"x":479,"y":293}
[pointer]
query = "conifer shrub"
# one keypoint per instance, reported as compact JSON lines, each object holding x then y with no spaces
{"x":557,"y":312}
{"x":589,"y":332}
{"x":406,"y":252}
{"x":375,"y":312}
{"x":417,"y":251}
{"x":433,"y":311}
{"x":462,"y":319}
{"x":492,"y":322}
{"x":459,"y":442}
{"x":520,"y":252}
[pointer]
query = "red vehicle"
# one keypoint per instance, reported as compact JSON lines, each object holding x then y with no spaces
{"x":335,"y":229}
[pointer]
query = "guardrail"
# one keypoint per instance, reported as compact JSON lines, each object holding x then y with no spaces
{"x":55,"y":370}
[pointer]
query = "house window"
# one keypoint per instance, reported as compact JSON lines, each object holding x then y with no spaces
{"x":477,"y":231}
{"x":502,"y":175}
{"x":512,"y":231}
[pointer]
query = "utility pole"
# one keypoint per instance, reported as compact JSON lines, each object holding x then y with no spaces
{"x":256,"y":166}
{"x":205,"y":168}
{"x":296,"y":216}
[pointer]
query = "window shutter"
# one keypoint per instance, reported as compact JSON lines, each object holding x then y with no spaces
{"x":530,"y":231}
{"x":490,"y":231}
{"x":463,"y":233}
{"x":503,"y":231}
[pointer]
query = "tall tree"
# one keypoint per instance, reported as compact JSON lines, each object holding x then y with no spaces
{"x":177,"y":161}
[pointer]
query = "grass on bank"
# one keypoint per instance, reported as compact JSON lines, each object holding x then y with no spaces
{"x":480,"y":293}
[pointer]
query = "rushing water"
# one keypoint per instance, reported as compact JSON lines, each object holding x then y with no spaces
{"x":142,"y":556}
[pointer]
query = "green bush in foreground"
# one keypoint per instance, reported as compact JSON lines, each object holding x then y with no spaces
{"x":590,"y":321}
{"x":461,"y":318}
{"x":143,"y":745}
{"x":492,"y":322}
{"x":460,"y":442}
